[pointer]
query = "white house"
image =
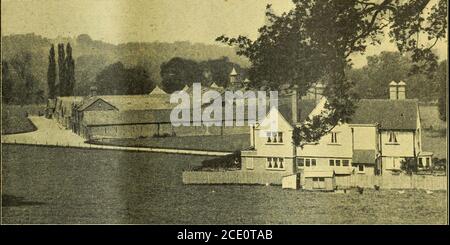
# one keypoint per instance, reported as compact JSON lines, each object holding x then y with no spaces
{"x":381,"y":134}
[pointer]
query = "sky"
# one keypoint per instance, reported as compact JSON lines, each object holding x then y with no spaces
{"x":119,"y":21}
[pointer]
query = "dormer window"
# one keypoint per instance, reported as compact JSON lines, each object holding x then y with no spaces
{"x":392,"y":137}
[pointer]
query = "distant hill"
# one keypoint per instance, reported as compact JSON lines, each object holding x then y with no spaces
{"x":91,"y":56}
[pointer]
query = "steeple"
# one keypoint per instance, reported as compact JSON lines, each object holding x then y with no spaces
{"x":233,"y":77}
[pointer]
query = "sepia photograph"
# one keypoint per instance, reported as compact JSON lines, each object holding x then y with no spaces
{"x":224,"y":112}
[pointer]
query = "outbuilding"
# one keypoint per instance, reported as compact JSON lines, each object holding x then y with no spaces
{"x":319,"y":180}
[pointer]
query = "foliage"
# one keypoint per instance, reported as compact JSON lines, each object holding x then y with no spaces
{"x":231,"y":161}
{"x":51,"y":73}
{"x":315,"y":40}
{"x":443,"y":88}
{"x":92,"y":56}
{"x":116,"y":79}
{"x":409,"y":165}
{"x":7,"y":83}
{"x":372,"y":81}
{"x":178,"y":72}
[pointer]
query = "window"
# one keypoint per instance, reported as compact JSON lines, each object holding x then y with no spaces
{"x":345,"y":163}
{"x":361,"y":168}
{"x":275,"y":163}
{"x":392,"y":137}
{"x":280,"y":137}
{"x":322,"y":179}
{"x":427,"y":165}
{"x":420,"y":162}
{"x":331,"y":162}
{"x":307,"y":162}
{"x":333,"y":137}
{"x":274,"y":137}
{"x":338,"y":162}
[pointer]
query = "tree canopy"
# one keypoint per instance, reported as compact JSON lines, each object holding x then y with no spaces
{"x":315,"y":40}
{"x":116,"y":79}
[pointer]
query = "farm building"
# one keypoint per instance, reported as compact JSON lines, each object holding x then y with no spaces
{"x":319,"y":180}
{"x":381,"y":136}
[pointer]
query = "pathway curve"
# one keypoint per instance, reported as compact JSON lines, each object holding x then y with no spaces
{"x":50,"y":133}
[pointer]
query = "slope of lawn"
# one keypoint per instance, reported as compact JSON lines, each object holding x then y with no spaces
{"x":14,"y":118}
{"x":65,"y":185}
{"x":205,"y":142}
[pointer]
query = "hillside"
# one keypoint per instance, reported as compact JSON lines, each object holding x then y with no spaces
{"x":91,"y":56}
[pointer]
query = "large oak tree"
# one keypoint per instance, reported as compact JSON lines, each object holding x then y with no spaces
{"x":316,"y":39}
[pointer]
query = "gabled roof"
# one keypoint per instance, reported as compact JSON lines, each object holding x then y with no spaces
{"x":89,"y":102}
{"x":233,"y":72}
{"x":158,"y":91}
{"x":389,"y":114}
{"x":364,"y":156}
{"x":304,"y":108}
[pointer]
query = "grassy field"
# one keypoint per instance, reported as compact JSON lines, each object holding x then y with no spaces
{"x":14,"y":118}
{"x":63,"y":185}
{"x":205,"y":142}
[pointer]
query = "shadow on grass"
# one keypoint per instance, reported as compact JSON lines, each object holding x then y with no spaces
{"x":14,"y":201}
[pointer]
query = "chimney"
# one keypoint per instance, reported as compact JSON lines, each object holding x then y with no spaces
{"x":294,"y":106}
{"x":93,"y":91}
{"x":401,"y":90}
{"x":318,"y":91}
{"x":393,"y":94}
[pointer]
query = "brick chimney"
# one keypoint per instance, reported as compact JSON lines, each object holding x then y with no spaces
{"x":294,"y":106}
{"x":93,"y":91}
{"x":393,"y":92}
{"x":401,"y":90}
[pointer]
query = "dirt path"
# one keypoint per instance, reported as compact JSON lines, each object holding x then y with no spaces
{"x":50,"y":133}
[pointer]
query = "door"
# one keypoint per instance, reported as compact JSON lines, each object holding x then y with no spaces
{"x":321,"y":183}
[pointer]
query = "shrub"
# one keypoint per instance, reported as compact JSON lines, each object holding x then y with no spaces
{"x":231,"y":161}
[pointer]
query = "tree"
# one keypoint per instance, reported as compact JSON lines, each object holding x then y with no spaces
{"x":116,"y":79}
{"x":61,"y":69}
{"x":69,"y":76}
{"x":51,"y":73}
{"x":22,"y":65}
{"x":7,"y":83}
{"x":443,"y":88}
{"x":372,"y":81}
{"x":315,"y":40}
{"x":178,"y":72}
{"x":220,"y":69}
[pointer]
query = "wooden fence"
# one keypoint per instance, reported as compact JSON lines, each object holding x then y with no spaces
{"x":426,"y":182}
{"x":231,"y":177}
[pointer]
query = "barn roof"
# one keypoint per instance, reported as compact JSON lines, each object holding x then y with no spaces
{"x":389,"y":114}
{"x":99,"y":118}
{"x":131,"y":102}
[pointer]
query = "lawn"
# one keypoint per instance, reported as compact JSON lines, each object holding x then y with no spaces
{"x":203,"y":142}
{"x":64,"y":185}
{"x":14,"y":118}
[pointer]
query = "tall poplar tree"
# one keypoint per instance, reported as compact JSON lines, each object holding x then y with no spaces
{"x":51,"y":73}
{"x":61,"y":69}
{"x":69,"y":71}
